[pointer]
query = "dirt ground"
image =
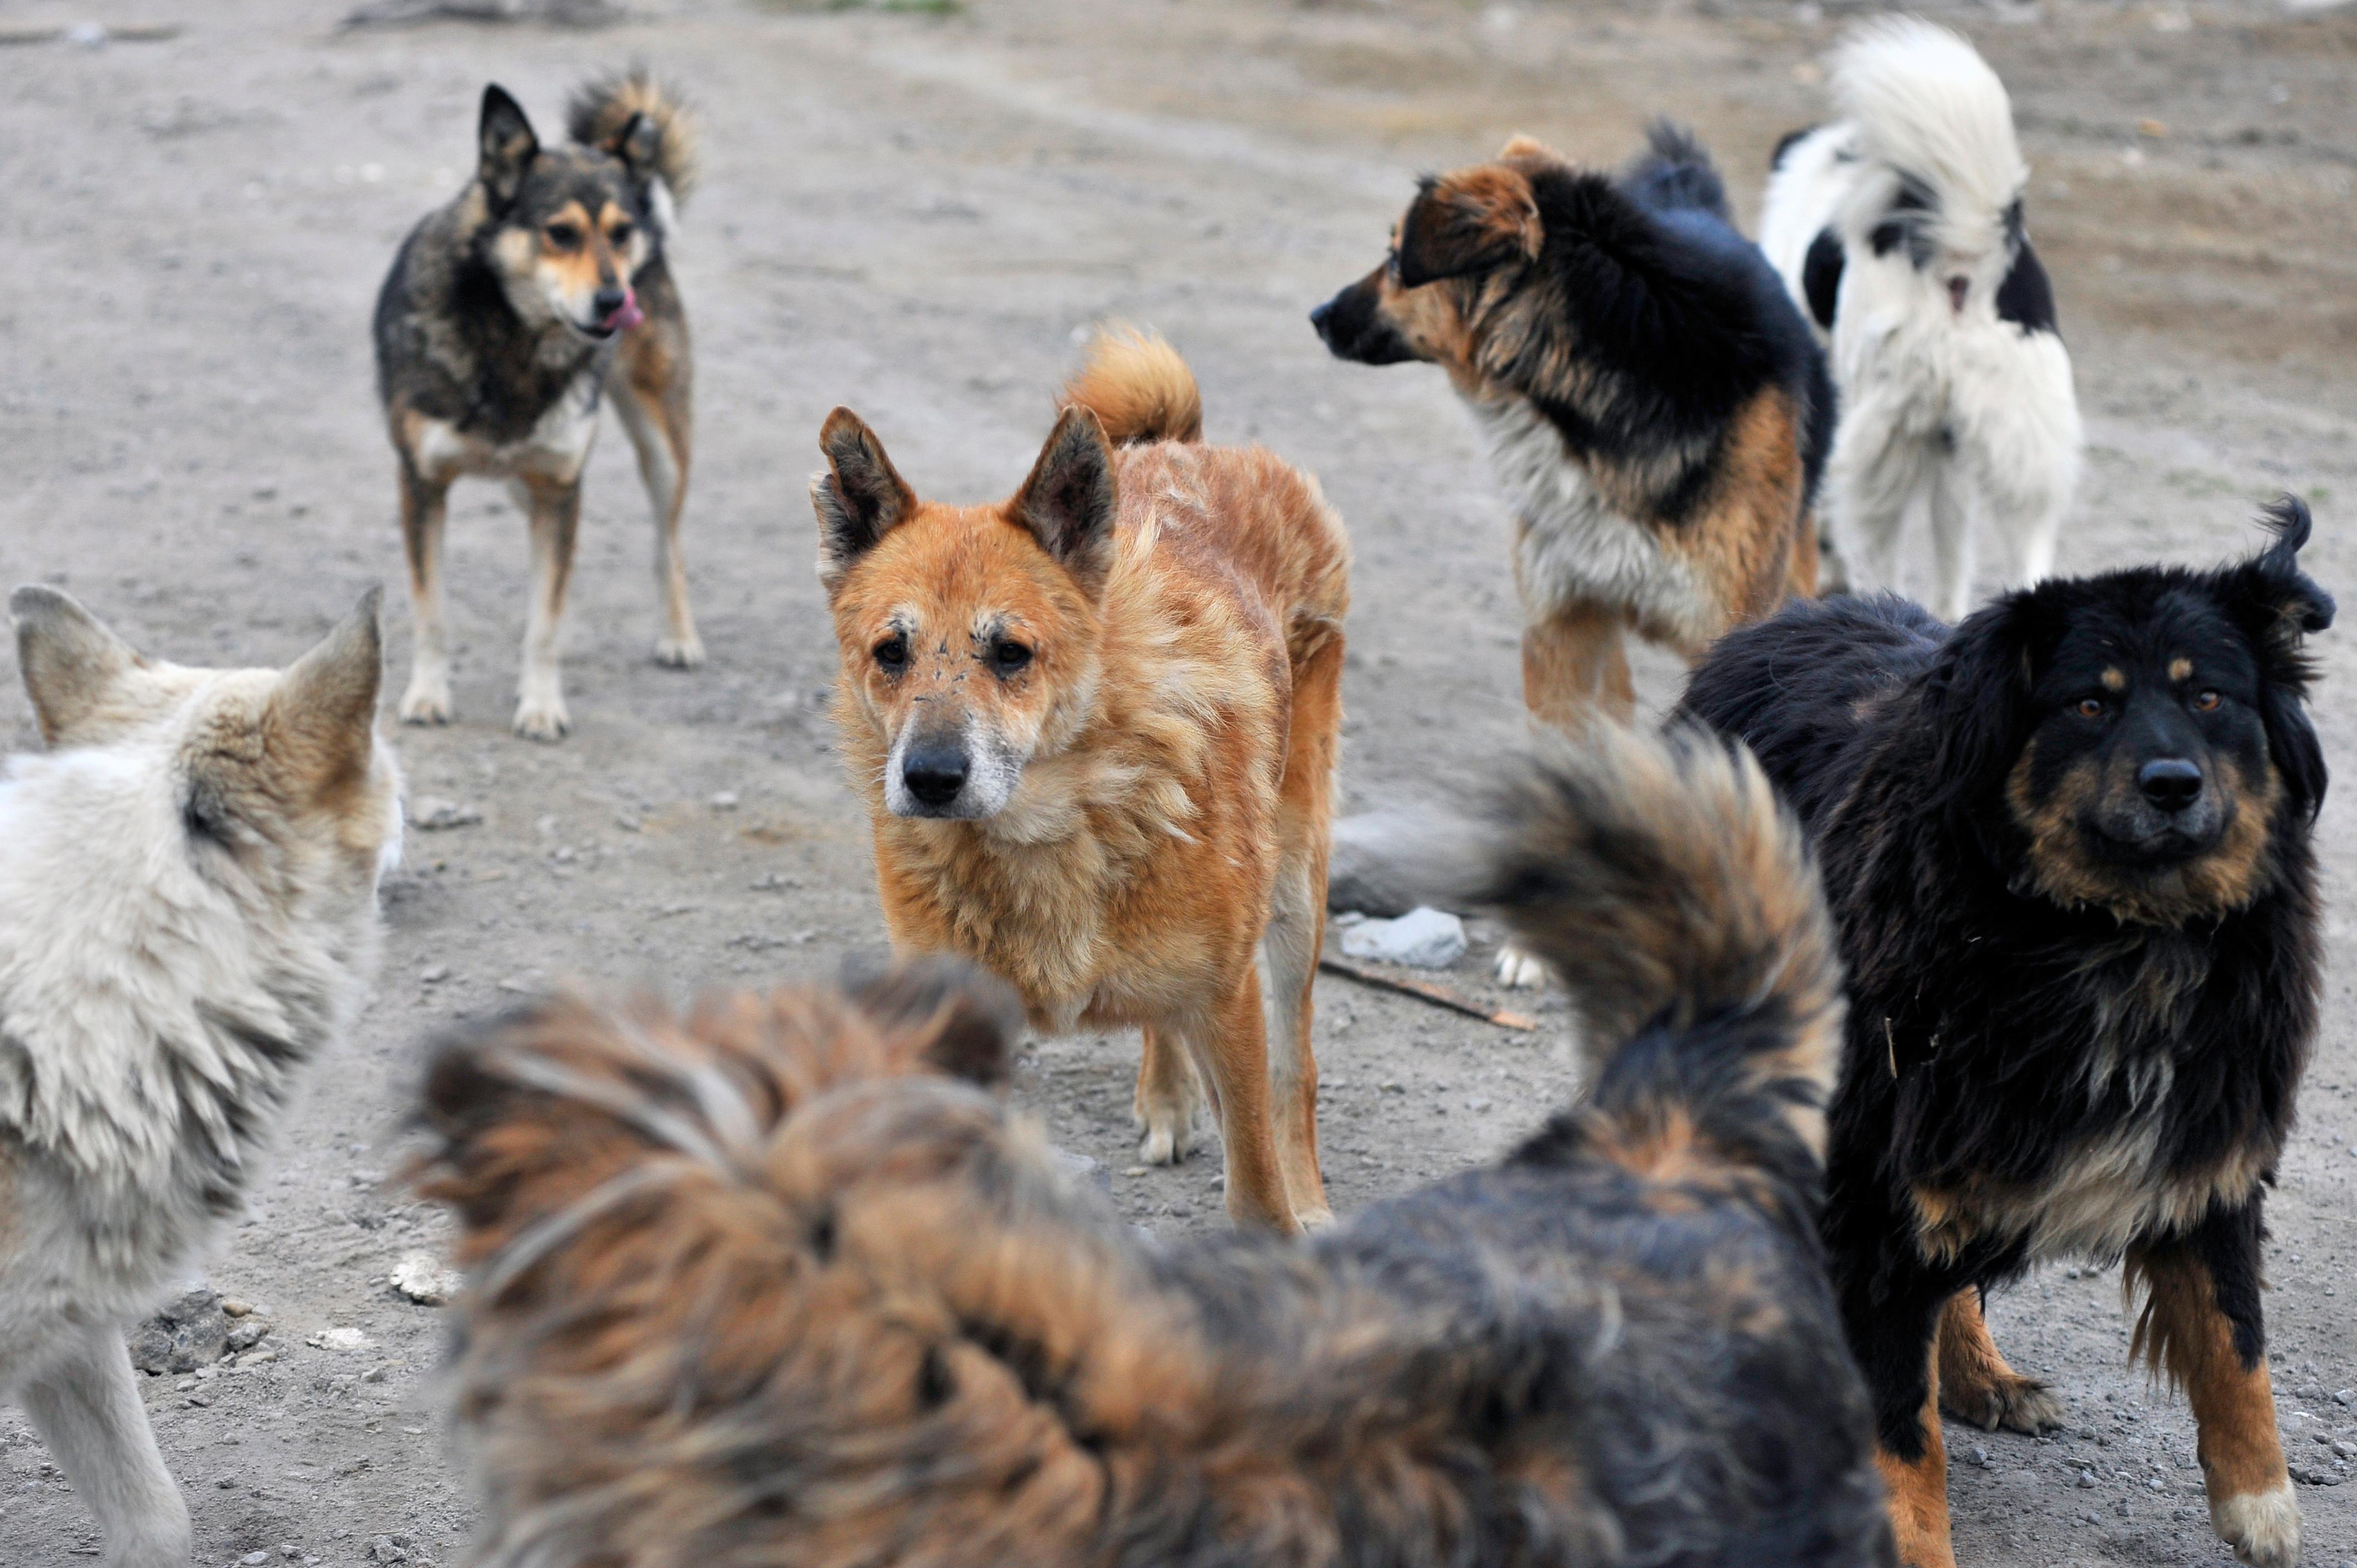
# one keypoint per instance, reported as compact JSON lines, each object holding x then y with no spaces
{"x":914,"y":213}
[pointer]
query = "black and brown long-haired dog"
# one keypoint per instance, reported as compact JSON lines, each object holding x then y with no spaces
{"x":2067,"y":845}
{"x":1655,"y":406}
{"x":783,"y":1283}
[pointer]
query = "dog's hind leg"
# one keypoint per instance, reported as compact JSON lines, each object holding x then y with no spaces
{"x":2202,"y":1323}
{"x":1976,"y":1385}
{"x":1297,"y":922}
{"x":424,"y":509}
{"x":650,"y":388}
{"x":1894,"y":1331}
{"x":87,"y":1409}
{"x":1955,"y":524}
{"x":556,"y":509}
{"x":1169,"y":1099}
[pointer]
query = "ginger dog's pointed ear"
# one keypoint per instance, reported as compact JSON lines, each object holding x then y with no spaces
{"x":1469,"y":222}
{"x":71,"y":662}
{"x":1521,"y":146}
{"x":505,"y":145}
{"x":1069,"y":501}
{"x":859,"y":499}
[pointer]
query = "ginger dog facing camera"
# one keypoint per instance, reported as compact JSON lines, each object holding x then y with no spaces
{"x":1095,"y":727}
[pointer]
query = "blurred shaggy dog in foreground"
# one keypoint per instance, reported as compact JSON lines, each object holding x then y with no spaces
{"x":1095,"y":727}
{"x":1899,"y":227}
{"x":187,"y":917}
{"x":783,"y":1282}
{"x":2068,"y":845}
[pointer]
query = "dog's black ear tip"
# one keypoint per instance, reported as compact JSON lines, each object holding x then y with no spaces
{"x":2288,"y":519}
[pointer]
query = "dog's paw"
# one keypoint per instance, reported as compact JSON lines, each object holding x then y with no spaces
{"x":1170,"y":1138}
{"x":680,"y":653}
{"x":425,"y":703}
{"x":542,"y":719}
{"x":2010,"y":1400}
{"x":2261,"y":1527}
{"x":1318,"y":1219}
{"x":1518,"y":969}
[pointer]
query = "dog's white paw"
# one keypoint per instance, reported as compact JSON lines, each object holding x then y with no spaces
{"x":680,"y":653}
{"x":2261,"y":1527}
{"x":1518,"y":969}
{"x":425,"y":703}
{"x":1170,"y":1138}
{"x":542,"y":718}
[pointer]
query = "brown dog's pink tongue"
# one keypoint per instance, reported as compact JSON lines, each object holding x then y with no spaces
{"x":626,"y":314}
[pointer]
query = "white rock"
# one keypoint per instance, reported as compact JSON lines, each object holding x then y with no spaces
{"x":433,"y":814}
{"x":423,"y":1279}
{"x":339,"y":1339}
{"x":1425,"y":937}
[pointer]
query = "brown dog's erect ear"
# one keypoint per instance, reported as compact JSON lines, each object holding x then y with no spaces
{"x":860,"y":498}
{"x":1069,"y":501}
{"x":322,"y":717}
{"x":1521,"y":146}
{"x":1469,"y":222}
{"x":71,"y":662}
{"x":507,"y":144}
{"x":973,"y":1018}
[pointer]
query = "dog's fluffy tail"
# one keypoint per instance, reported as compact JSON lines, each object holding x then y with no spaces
{"x":601,"y":115}
{"x":1675,"y":896}
{"x":1676,"y":171}
{"x":1927,"y":107}
{"x":1137,"y":386}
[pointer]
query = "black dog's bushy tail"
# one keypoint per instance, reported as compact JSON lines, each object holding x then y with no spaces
{"x":1676,"y":171}
{"x":635,"y":117}
{"x":1675,"y":896}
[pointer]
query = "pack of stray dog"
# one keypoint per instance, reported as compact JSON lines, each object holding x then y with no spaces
{"x":1915,"y":952}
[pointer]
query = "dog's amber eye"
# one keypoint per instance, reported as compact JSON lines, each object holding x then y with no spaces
{"x":1007,"y":657}
{"x":564,"y":236}
{"x":892,"y":654}
{"x":2090,"y":707}
{"x":2205,"y":702}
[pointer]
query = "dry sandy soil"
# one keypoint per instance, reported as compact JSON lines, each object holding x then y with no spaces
{"x":914,"y":213}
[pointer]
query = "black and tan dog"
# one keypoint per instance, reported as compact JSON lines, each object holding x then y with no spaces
{"x":780,"y":1284}
{"x":1654,"y":402}
{"x":2068,"y":845}
{"x":507,"y":316}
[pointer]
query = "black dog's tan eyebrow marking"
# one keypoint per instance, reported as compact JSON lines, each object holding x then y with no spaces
{"x":2180,"y":668}
{"x":2116,"y":679}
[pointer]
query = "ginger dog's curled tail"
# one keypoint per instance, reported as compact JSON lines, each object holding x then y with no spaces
{"x":637,"y":119}
{"x":1675,"y":896}
{"x":1137,"y":386}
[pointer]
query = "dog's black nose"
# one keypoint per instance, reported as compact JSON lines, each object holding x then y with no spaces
{"x":609,"y":301}
{"x":2171,"y":783}
{"x":934,"y":774}
{"x":1318,"y":318}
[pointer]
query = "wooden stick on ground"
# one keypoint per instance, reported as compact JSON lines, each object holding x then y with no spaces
{"x":1425,"y":991}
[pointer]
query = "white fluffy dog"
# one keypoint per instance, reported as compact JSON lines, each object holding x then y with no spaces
{"x":188,"y":914}
{"x":1898,"y":228}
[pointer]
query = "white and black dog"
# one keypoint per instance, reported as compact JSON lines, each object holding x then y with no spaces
{"x":1898,"y":228}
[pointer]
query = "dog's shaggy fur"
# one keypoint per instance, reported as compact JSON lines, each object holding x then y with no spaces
{"x":188,"y":916}
{"x":507,"y":316}
{"x":2068,"y":845}
{"x":759,"y":1286}
{"x":1095,"y":727}
{"x":1899,"y":227}
{"x":1656,"y":407}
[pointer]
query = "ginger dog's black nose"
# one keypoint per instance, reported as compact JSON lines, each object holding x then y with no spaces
{"x":2171,"y":783}
{"x":607,"y":301}
{"x":934,"y":774}
{"x":1318,"y":318}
